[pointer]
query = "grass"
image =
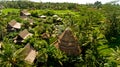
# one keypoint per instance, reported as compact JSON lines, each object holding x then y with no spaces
{"x":104,"y":50}
{"x":5,"y":11}
{"x":58,"y":12}
{"x":41,"y":12}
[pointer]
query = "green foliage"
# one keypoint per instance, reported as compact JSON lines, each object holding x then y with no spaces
{"x":34,"y":14}
{"x":49,"y":13}
{"x":97,"y":31}
{"x":97,"y":4}
{"x":10,"y":58}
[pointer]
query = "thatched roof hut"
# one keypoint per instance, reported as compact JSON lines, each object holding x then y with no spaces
{"x":1,"y":6}
{"x":68,"y":43}
{"x":0,"y":45}
{"x":45,"y":35}
{"x":25,"y":13}
{"x":14,"y":24}
{"x":31,"y":21}
{"x":59,"y":19}
{"x":43,"y":16}
{"x":55,"y":16}
{"x":22,"y":36}
{"x":24,"y":17}
{"x":29,"y":53}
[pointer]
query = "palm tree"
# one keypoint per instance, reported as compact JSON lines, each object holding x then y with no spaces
{"x":115,"y":56}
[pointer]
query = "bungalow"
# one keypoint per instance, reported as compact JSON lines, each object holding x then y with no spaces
{"x":68,"y":43}
{"x":55,"y":16}
{"x":31,"y":21}
{"x":0,"y":45}
{"x":22,"y":36}
{"x":56,"y":19}
{"x":25,"y":13}
{"x":59,"y":19}
{"x":1,"y":6}
{"x":13,"y":25}
{"x":45,"y":35}
{"x":43,"y":16}
{"x":29,"y":53}
{"x":24,"y":17}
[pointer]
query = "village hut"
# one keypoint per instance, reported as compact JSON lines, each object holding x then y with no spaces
{"x":22,"y":36}
{"x":43,"y":16}
{"x":55,"y":16}
{"x":1,"y":6}
{"x":13,"y":25}
{"x":68,"y":43}
{"x":59,"y":19}
{"x":25,"y":13}
{"x":0,"y":45}
{"x":45,"y":35}
{"x":31,"y":21}
{"x":29,"y":53}
{"x":24,"y":17}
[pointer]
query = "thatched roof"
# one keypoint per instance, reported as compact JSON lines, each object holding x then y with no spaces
{"x":24,"y":34}
{"x":0,"y":44}
{"x":31,"y":21}
{"x":67,"y":36}
{"x":25,"y":12}
{"x":30,"y":53}
{"x":1,"y":6}
{"x":55,"y":16}
{"x":68,"y":43}
{"x":14,"y":24}
{"x":45,"y":35}
{"x":24,"y":17}
{"x":43,"y":16}
{"x":59,"y":19}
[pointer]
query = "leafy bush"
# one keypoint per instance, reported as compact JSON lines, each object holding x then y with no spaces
{"x":34,"y":14}
{"x":49,"y":13}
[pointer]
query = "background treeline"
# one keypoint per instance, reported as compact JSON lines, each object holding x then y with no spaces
{"x":35,"y":5}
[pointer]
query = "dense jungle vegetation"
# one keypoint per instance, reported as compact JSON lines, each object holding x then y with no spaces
{"x":96,"y":26}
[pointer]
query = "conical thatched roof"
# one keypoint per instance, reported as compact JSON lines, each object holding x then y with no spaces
{"x":68,"y":43}
{"x":67,"y":36}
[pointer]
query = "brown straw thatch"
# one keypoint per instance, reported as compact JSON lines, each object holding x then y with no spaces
{"x":0,"y":45}
{"x":45,"y":35}
{"x":14,"y":24}
{"x":29,"y":53}
{"x":24,"y":34}
{"x":25,"y":13}
{"x":68,"y":43}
